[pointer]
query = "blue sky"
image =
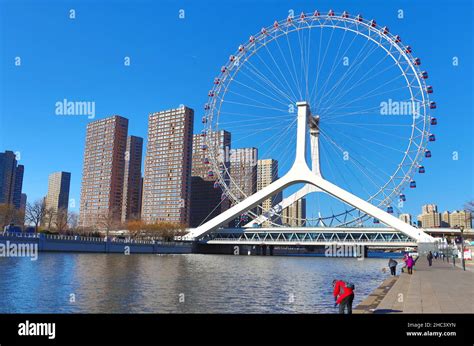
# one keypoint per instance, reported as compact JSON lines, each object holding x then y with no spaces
{"x":174,"y":61}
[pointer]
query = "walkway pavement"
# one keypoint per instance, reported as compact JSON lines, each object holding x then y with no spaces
{"x":441,"y":288}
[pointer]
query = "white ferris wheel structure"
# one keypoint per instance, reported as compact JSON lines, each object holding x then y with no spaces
{"x":308,"y":91}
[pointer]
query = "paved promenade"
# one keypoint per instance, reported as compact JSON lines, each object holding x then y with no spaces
{"x":437,"y":289}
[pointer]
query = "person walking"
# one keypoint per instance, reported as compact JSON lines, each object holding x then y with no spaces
{"x":429,"y":257}
{"x":343,"y":295}
{"x":410,"y":263}
{"x":392,"y":264}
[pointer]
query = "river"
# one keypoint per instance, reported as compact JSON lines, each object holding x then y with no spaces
{"x":193,"y":283}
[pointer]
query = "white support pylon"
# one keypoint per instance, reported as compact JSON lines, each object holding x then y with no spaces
{"x":301,"y":173}
{"x":313,"y":123}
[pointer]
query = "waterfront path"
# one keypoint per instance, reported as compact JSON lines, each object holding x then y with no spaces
{"x":441,"y":288}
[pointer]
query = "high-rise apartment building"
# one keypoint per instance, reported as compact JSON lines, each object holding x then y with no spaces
{"x":207,"y":197}
{"x":23,"y":202}
{"x":243,"y":172}
{"x":429,"y":218}
{"x":429,"y":208}
{"x":131,"y":201}
{"x":167,"y":178}
{"x":103,"y":171}
{"x":18,"y":185}
{"x":406,"y":218}
{"x":445,"y":222}
{"x":58,"y":191}
{"x":11,"y":179}
{"x":460,"y":218}
{"x":243,"y":179}
{"x":267,"y":173}
{"x":295,"y":214}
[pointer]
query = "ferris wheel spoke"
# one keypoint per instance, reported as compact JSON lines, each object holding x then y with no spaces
{"x":352,"y":160}
{"x":363,"y":80}
{"x":338,"y":112}
{"x":274,"y":97}
{"x":370,"y":93}
{"x":290,"y":89}
{"x":377,"y":131}
{"x":252,"y":133}
{"x":245,"y":124}
{"x":293,"y":78}
{"x":333,"y":68}
{"x":349,"y":73}
{"x":369,"y":71}
{"x":256,"y":106}
{"x":308,"y":60}
{"x":341,"y":79}
{"x":371,"y":110}
{"x":290,"y":48}
{"x":263,"y":117}
{"x":279,"y":137}
{"x":368,"y":124}
{"x":363,"y":157}
{"x":324,"y":60}
{"x":303,"y":75}
{"x":354,"y":163}
{"x":251,"y":98}
{"x":279,"y":90}
{"x":318,"y":68}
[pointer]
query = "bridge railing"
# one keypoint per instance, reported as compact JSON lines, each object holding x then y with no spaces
{"x":65,"y":237}
{"x":313,"y":240}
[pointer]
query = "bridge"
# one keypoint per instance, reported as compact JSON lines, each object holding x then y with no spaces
{"x":310,"y":236}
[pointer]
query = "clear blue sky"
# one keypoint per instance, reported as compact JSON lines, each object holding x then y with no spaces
{"x":174,"y":61}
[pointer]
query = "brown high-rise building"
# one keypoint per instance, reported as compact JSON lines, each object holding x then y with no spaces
{"x":207,"y":198}
{"x":131,"y":201}
{"x":103,"y":171}
{"x":167,"y":179}
{"x":267,"y":173}
{"x":243,"y":179}
{"x":295,"y":214}
{"x":243,"y":172}
{"x":57,"y":198}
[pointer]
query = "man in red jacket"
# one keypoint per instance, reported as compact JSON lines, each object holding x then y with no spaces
{"x":343,"y":295}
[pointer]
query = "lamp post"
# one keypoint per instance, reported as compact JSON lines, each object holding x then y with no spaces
{"x":461,"y":228}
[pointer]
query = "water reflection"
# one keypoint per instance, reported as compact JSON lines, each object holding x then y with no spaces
{"x":115,"y":283}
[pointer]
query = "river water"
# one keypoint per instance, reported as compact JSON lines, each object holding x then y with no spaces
{"x":115,"y":283}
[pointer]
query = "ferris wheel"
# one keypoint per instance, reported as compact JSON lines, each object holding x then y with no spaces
{"x":367,"y":91}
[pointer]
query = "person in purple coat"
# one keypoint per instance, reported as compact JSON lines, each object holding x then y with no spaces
{"x":410,"y":263}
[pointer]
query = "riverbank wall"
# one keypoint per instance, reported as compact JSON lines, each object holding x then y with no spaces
{"x":65,"y":243}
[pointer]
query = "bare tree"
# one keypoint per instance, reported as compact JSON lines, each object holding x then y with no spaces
{"x":48,"y":217}
{"x":73,"y":220}
{"x":109,"y":221}
{"x":35,"y":212}
{"x":61,"y":220}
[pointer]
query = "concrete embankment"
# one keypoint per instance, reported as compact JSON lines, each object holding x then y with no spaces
{"x":441,"y":288}
{"x":60,"y":243}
